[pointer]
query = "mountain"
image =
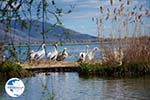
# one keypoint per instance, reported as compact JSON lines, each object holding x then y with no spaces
{"x":53,"y":34}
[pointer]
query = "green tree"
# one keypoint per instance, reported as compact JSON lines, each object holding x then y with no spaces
{"x":18,"y":10}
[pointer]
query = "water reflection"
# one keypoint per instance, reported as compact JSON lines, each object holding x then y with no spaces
{"x":69,"y":86}
{"x":129,"y":89}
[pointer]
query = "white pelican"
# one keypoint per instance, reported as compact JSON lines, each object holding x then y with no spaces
{"x":39,"y":54}
{"x":32,"y":54}
{"x":53,"y":55}
{"x":82,"y":55}
{"x":91,"y":54}
{"x":118,"y":55}
{"x":62,"y":55}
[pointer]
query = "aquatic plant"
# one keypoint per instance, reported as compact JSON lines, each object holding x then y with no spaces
{"x":135,"y":61}
{"x":133,"y":69}
{"x":52,"y":96}
{"x":129,"y":51}
{"x":12,"y":69}
{"x":8,"y":66}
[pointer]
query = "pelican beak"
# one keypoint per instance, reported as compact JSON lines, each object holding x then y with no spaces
{"x":65,"y":49}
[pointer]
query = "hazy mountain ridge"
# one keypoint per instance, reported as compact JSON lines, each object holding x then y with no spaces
{"x":58,"y":33}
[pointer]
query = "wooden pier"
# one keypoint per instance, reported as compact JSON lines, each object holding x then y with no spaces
{"x":44,"y":66}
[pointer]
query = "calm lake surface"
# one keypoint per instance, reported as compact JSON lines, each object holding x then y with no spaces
{"x":70,"y":86}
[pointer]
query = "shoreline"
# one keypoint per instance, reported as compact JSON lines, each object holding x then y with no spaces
{"x":105,"y":40}
{"x":28,"y":69}
{"x":88,"y":68}
{"x":49,"y":44}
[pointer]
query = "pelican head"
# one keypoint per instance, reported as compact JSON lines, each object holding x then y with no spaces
{"x":65,"y":49}
{"x":32,"y":51}
{"x":43,"y":45}
{"x":55,"y":45}
{"x":87,"y":46}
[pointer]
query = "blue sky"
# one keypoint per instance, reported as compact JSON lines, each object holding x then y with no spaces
{"x":81,"y":18}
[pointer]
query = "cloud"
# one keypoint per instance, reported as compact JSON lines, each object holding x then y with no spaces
{"x":84,"y":9}
{"x":68,"y":1}
{"x":80,"y":15}
{"x":88,"y":4}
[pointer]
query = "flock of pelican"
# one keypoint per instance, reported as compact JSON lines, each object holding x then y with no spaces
{"x":55,"y":55}
{"x":86,"y":55}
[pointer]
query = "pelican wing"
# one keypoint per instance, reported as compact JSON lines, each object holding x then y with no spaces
{"x":61,"y":56}
{"x":82,"y":57}
{"x":49,"y":55}
{"x":40,"y":54}
{"x":36,"y":56}
{"x":90,"y":56}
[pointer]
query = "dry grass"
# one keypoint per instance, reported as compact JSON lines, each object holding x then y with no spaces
{"x":138,"y":51}
{"x":133,"y":53}
{"x":135,"y":49}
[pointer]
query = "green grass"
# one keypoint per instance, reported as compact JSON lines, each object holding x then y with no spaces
{"x":8,"y":66}
{"x":115,"y":70}
{"x":11,"y":69}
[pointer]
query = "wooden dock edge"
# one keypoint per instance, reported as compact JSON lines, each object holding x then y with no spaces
{"x":58,"y":67}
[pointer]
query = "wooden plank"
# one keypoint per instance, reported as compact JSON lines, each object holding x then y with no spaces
{"x":51,"y":66}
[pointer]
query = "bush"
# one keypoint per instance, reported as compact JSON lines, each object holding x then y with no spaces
{"x":8,"y":66}
{"x":98,"y":69}
{"x":11,"y":69}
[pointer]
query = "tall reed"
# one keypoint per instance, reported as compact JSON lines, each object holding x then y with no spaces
{"x":129,"y":49}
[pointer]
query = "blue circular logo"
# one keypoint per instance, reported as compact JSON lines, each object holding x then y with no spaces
{"x":14,"y":87}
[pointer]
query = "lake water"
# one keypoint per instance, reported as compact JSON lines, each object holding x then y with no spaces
{"x":70,"y":86}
